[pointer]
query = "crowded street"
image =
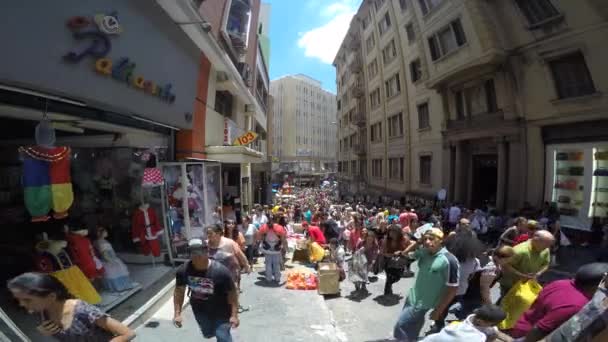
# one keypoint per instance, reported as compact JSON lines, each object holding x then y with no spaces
{"x":304,"y":171}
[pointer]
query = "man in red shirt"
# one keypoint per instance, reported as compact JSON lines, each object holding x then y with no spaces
{"x":273,"y":237}
{"x":559,"y":301}
{"x":315,"y":233}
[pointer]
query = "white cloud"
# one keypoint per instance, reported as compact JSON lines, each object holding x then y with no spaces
{"x":324,"y":41}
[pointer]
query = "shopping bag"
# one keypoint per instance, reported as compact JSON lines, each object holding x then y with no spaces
{"x":519,"y":299}
{"x":316,"y":253}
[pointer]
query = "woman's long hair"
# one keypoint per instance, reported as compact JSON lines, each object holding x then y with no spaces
{"x":464,"y":246}
{"x":39,"y":285}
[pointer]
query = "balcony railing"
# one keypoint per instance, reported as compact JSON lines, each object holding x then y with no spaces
{"x":360,"y":149}
{"x":359,"y":118}
{"x":477,"y":121}
{"x":357,"y":90}
{"x":355,"y":65}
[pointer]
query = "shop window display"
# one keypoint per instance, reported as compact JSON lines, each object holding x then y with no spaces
{"x":192,"y":196}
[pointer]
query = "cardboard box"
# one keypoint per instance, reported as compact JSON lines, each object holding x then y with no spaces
{"x":300,"y":255}
{"x":297,"y":228}
{"x":329,"y":278}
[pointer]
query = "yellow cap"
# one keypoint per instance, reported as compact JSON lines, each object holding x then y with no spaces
{"x":435,"y":232}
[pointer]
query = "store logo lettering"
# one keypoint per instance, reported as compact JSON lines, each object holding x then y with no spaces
{"x":98,"y":32}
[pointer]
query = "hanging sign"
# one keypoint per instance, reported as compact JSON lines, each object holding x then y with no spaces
{"x":245,"y":139}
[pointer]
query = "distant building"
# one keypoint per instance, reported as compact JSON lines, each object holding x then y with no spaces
{"x":304,"y":127}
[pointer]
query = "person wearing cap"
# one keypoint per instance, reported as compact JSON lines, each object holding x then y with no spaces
{"x":212,"y":292}
{"x":435,"y":286}
{"x":478,"y":327}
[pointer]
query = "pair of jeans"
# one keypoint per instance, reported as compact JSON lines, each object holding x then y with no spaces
{"x":461,"y":307}
{"x":213,"y":327}
{"x":273,"y":266}
{"x":410,"y":322}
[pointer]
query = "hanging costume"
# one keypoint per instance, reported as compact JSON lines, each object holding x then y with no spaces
{"x":47,"y":182}
{"x":116,"y":275}
{"x":54,"y":260}
{"x":146,"y":230}
{"x":82,"y":253}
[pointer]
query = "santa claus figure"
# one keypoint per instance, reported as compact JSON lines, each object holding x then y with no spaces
{"x":146,"y":230}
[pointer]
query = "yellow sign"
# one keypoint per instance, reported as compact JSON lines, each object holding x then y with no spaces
{"x":245,"y":139}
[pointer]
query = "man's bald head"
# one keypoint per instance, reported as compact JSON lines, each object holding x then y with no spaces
{"x":542,"y":240}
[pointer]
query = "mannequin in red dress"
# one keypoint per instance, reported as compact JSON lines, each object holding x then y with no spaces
{"x":82,"y":253}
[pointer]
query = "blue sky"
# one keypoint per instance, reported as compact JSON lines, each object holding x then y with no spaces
{"x":305,"y":36}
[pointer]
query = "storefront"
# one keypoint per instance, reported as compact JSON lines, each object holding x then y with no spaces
{"x":576,"y":179}
{"x":106,"y":84}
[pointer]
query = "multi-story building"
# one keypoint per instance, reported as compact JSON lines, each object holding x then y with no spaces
{"x":490,"y":92}
{"x":304,"y":127}
{"x":390,"y":145}
{"x":233,"y":93}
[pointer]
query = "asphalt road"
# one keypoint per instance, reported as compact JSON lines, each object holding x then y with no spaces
{"x":277,"y":314}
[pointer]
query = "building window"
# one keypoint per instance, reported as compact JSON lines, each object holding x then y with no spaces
{"x":223,"y":103}
{"x":377,"y":168}
{"x":403,"y":5}
{"x":416,"y":70}
{"x":376,"y":130}
{"x":389,"y":52}
{"x":374,"y":98}
{"x":392,"y":86}
{"x":384,"y":24}
{"x":378,"y":4}
{"x":395,"y":125}
{"x":571,"y":76}
{"x":423,"y":116}
{"x":363,"y":167}
{"x":353,"y":167}
{"x":537,"y":11}
{"x":411,"y":34}
{"x":479,"y":99}
{"x":372,"y":68}
{"x":395,"y":169}
{"x":460,"y":110}
{"x":339,"y":104}
{"x":427,"y":5}
{"x":365,"y":20}
{"x":425,"y":170}
{"x":370,"y":42}
{"x":447,"y":40}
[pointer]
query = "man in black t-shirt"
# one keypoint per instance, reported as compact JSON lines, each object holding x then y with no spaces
{"x":212,"y":293}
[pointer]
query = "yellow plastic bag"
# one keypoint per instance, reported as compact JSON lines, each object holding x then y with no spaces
{"x":316,"y":253}
{"x":519,"y":299}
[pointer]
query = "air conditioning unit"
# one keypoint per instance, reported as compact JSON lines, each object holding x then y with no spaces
{"x":222,"y":76}
{"x":249,"y":108}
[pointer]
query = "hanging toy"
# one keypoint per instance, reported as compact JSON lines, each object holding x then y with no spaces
{"x":152,"y":174}
{"x":46,"y":176}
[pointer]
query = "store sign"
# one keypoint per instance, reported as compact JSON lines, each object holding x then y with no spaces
{"x":227,"y":131}
{"x":245,"y":139}
{"x":97,"y":32}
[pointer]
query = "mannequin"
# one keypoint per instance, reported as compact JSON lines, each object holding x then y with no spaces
{"x":116,"y":275}
{"x":53,"y":259}
{"x":46,"y":176}
{"x":81,"y":251}
{"x":146,"y":230}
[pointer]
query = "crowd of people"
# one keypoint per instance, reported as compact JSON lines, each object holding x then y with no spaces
{"x":460,"y":254}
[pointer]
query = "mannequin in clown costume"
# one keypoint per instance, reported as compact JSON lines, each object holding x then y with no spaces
{"x":46,"y":176}
{"x":52,"y":258}
{"x":145,"y":230}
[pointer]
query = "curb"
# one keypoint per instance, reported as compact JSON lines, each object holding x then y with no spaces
{"x":149,"y":304}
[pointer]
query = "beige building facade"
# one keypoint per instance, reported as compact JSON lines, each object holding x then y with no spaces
{"x":304,"y":127}
{"x":491,"y":92}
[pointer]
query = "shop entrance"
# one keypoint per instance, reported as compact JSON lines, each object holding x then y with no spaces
{"x":485,"y":179}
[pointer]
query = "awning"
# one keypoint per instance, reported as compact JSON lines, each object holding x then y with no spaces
{"x":234,"y":154}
